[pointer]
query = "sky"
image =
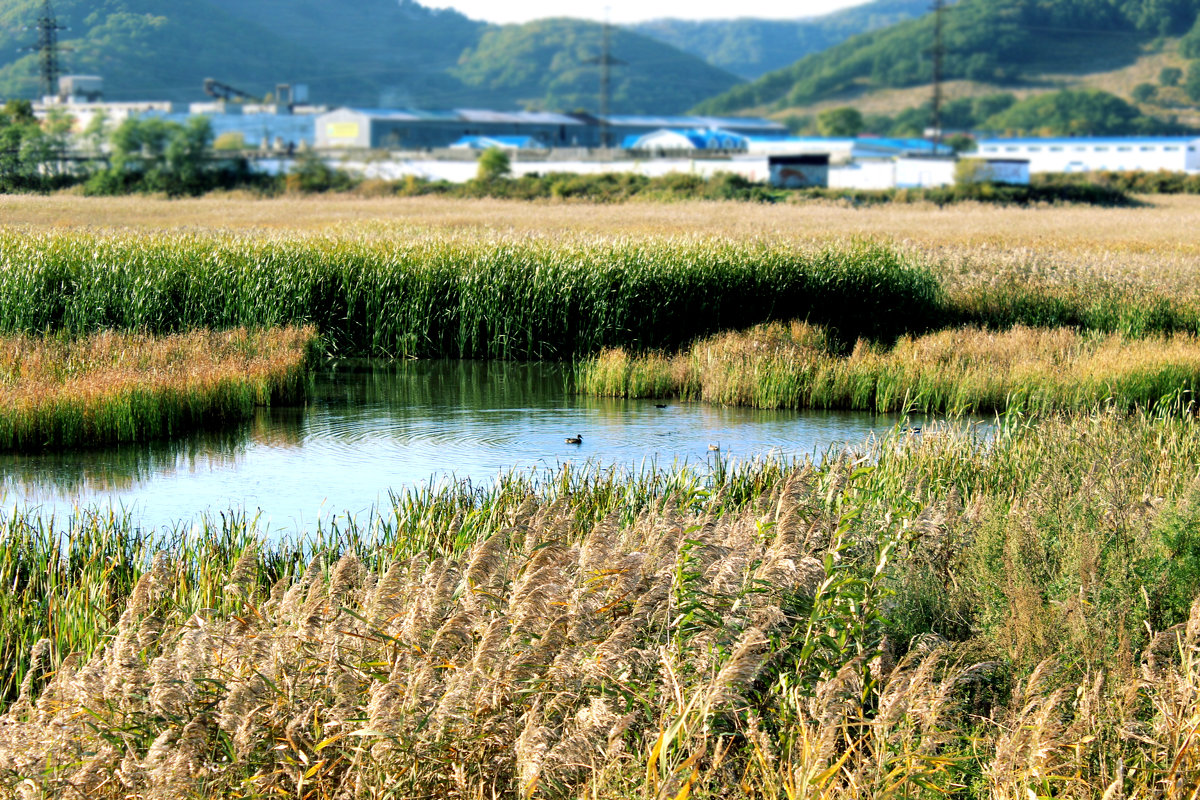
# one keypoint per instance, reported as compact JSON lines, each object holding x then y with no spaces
{"x":623,"y":11}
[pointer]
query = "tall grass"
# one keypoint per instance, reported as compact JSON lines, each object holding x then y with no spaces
{"x":59,"y":391}
{"x":939,"y":614}
{"x":454,"y":297}
{"x":951,"y":371}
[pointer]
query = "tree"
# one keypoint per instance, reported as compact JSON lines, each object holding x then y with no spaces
{"x":494,"y":163}
{"x":1089,"y":112}
{"x":1170,"y":76}
{"x":230,"y":140}
{"x":1191,"y":84}
{"x":1144,"y":92}
{"x":844,"y":121}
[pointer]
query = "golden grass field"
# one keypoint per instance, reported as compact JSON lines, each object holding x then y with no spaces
{"x":1159,"y":242}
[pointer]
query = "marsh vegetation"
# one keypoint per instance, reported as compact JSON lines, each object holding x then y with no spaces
{"x":933,"y":613}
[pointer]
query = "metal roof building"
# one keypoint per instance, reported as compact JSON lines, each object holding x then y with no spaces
{"x":411,"y":129}
{"x":1086,"y":154}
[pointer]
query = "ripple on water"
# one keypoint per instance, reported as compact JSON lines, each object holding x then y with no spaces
{"x":368,"y":431}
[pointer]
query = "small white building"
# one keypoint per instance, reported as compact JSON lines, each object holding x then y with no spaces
{"x":1089,"y":154}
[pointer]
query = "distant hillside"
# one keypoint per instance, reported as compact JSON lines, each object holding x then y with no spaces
{"x":366,"y":53}
{"x":544,"y":65}
{"x":751,"y":47}
{"x":996,"y":42}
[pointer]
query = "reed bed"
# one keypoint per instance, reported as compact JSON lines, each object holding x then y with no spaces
{"x":59,"y":391}
{"x":447,"y":297}
{"x":798,"y":365}
{"x":939,"y":614}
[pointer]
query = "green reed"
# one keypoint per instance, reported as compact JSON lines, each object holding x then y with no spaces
{"x":454,"y":297}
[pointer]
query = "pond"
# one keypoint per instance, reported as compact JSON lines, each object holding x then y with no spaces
{"x":367,"y":429}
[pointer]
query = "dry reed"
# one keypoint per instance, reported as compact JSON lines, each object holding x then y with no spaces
{"x":57,"y":391}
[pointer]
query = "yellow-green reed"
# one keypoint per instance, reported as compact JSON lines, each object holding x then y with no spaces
{"x":952,"y":371}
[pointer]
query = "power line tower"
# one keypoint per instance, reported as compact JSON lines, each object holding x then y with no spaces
{"x":939,"y":54}
{"x":606,"y":62}
{"x":47,"y":48}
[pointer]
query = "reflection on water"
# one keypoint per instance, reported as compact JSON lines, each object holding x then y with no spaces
{"x":365,"y":430}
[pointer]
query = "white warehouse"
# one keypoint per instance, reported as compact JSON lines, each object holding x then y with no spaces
{"x":1088,"y":154}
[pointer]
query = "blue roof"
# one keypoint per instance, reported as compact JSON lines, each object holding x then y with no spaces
{"x":519,"y":142}
{"x":700,"y":139}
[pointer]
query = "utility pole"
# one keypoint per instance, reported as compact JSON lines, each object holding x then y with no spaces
{"x":47,"y":48}
{"x":606,"y":62}
{"x":939,"y":52}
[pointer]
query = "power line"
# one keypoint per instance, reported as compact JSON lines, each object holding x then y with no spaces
{"x":47,"y":48}
{"x":606,"y":62}
{"x":939,"y":53}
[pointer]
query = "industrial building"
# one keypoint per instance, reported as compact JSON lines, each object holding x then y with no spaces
{"x":409,"y":129}
{"x":1088,"y":154}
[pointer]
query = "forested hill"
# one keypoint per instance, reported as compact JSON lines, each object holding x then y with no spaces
{"x":751,"y":47}
{"x":369,"y":52}
{"x":991,"y":41}
{"x":544,"y":64}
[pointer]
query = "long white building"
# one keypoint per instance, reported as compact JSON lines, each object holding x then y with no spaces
{"x":1088,"y":154}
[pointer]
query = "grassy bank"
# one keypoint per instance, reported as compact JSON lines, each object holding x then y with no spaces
{"x":60,"y":391}
{"x":675,"y":187}
{"x":459,"y":298}
{"x":952,"y":371}
{"x":946,"y":616}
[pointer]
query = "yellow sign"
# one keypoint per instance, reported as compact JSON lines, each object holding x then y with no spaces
{"x":342,"y":130}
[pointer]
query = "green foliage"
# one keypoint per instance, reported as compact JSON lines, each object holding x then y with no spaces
{"x":994,"y":41}
{"x":750,"y":47}
{"x":494,"y":163}
{"x":311,"y":175}
{"x":844,"y":121}
{"x":1191,"y":84}
{"x":150,"y":154}
{"x":546,"y":64}
{"x":31,"y":152}
{"x":526,"y":300}
{"x":368,"y":53}
{"x":1170,"y":76}
{"x":1160,"y":182}
{"x":1144,"y":92}
{"x":1088,"y":112}
{"x":1189,"y":45}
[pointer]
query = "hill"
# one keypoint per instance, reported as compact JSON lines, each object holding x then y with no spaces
{"x":367,"y":53}
{"x":1005,"y":43}
{"x":544,"y":65}
{"x":751,"y":47}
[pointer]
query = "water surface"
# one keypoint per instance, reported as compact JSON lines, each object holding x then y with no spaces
{"x":365,"y":430}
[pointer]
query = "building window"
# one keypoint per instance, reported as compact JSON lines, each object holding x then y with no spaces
{"x":1147,"y":148}
{"x":1056,"y":149}
{"x":1012,"y":149}
{"x":1080,"y":149}
{"x":989,"y":149}
{"x":1124,"y":149}
{"x":1101,"y":149}
{"x":1171,"y":149}
{"x":1035,"y":149}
